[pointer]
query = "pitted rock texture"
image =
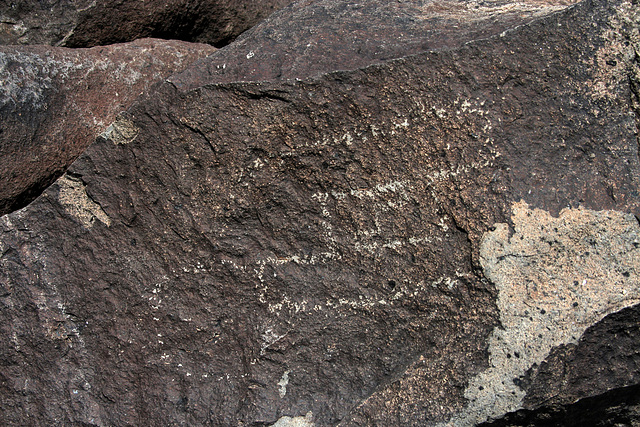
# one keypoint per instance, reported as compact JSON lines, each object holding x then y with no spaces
{"x":54,"y":102}
{"x":310,"y":251}
{"x":606,"y":357}
{"x":592,"y":382}
{"x":88,"y":23}
{"x":555,"y":278}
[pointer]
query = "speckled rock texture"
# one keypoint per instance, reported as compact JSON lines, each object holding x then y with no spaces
{"x":88,"y":23}
{"x":433,"y":232}
{"x":54,"y":102}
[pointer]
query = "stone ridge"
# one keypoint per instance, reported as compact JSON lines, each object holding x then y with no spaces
{"x":54,"y":102}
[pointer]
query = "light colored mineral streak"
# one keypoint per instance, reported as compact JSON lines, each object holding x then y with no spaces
{"x":121,"y":131}
{"x":555,"y":277}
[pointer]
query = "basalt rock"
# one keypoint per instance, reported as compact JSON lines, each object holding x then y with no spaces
{"x":87,"y":23}
{"x":314,"y":37}
{"x":421,"y":241}
{"x":54,"y":102}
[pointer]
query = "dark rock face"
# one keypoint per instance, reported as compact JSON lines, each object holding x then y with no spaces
{"x":604,"y":358}
{"x":38,"y":22}
{"x":390,"y":245}
{"x":55,"y":101}
{"x":618,"y":407}
{"x":88,"y":23}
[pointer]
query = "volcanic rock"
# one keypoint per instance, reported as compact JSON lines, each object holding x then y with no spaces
{"x":54,"y":102}
{"x":419,"y":241}
{"x":87,"y":23}
{"x":314,"y":37}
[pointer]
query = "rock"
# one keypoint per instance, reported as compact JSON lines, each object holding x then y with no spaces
{"x":54,"y":102}
{"x":358,"y":247}
{"x":592,"y":382}
{"x":617,"y":407}
{"x":88,"y":23}
{"x":315,"y":37}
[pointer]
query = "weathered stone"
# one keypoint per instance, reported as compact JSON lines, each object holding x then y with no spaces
{"x":353,"y":248}
{"x":592,"y":382}
{"x":54,"y":102}
{"x":314,"y":37}
{"x":87,"y":23}
{"x":618,"y":407}
{"x":555,"y":278}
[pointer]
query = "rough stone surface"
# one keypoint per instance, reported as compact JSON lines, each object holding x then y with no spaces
{"x":555,"y":278}
{"x":54,"y":102}
{"x":326,"y":251}
{"x":604,"y":358}
{"x":87,"y":23}
{"x":314,"y":37}
{"x":592,"y":382}
{"x":618,"y":407}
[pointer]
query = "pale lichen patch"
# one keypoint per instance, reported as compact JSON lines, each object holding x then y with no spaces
{"x":283,"y":383}
{"x":306,"y":421}
{"x":121,"y":131}
{"x":73,"y":197}
{"x":555,"y":277}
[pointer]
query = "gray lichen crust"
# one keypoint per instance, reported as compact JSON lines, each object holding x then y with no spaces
{"x":121,"y":131}
{"x":555,"y":277}
{"x":73,"y":196}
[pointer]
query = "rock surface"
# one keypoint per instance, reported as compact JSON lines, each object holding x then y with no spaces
{"x":54,"y":102}
{"x":314,"y":37}
{"x":88,"y":23}
{"x":397,"y":244}
{"x":592,"y":382}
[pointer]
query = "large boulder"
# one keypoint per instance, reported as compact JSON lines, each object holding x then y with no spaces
{"x":87,"y":23}
{"x":54,"y":102}
{"x":412,"y":242}
{"x":313,"y":37}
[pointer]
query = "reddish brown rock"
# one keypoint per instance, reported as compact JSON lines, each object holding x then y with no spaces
{"x":88,"y":23}
{"x":55,"y":101}
{"x":389,"y":245}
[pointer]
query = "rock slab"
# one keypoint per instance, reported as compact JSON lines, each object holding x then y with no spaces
{"x":345,"y":248}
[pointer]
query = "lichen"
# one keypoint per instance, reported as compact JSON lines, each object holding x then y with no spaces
{"x":73,"y":197}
